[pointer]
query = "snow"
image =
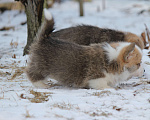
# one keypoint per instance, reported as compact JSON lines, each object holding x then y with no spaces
{"x":18,"y":97}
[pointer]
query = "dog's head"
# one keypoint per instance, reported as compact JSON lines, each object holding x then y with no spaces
{"x":127,"y":55}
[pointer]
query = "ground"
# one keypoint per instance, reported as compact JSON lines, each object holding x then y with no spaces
{"x":19,"y":100}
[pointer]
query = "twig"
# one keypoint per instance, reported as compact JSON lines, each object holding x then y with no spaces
{"x":7,"y":28}
{"x":148,"y":33}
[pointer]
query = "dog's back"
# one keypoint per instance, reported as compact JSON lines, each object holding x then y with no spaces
{"x":86,"y":35}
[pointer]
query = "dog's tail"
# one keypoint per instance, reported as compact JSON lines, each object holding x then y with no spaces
{"x":47,"y":26}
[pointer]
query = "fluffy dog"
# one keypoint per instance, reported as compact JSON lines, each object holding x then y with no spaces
{"x":96,"y":66}
{"x":86,"y":35}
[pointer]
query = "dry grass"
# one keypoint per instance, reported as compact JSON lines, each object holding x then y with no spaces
{"x":66,"y":106}
{"x":2,"y":96}
{"x":14,"y":45}
{"x":4,"y":67}
{"x":62,"y":117}
{"x":134,"y":84}
{"x":148,"y":63}
{"x":141,"y":83}
{"x":39,"y":97}
{"x":18,"y":72}
{"x":59,"y":116}
{"x":98,"y":113}
{"x":28,"y":115}
{"x":3,"y":74}
{"x":14,"y":70}
{"x":102,"y":93}
{"x":7,"y":28}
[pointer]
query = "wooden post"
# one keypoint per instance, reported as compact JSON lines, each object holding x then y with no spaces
{"x":103,"y":4}
{"x":81,"y":7}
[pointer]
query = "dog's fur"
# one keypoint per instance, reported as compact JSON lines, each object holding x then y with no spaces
{"x":86,"y":35}
{"x":96,"y":66}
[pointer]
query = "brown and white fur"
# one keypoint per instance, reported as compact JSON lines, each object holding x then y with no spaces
{"x":96,"y":66}
{"x":87,"y":34}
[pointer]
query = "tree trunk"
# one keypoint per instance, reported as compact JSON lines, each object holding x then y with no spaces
{"x":34,"y":10}
{"x":81,"y":7}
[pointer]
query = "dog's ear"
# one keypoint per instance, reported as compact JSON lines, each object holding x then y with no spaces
{"x":127,"y":55}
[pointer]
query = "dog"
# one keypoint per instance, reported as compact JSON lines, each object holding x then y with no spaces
{"x":87,"y":34}
{"x":96,"y":66}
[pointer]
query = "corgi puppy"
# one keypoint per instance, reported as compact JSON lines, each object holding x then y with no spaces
{"x":96,"y":66}
{"x":86,"y":35}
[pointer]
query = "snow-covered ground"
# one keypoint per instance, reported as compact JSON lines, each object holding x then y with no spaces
{"x":19,"y":100}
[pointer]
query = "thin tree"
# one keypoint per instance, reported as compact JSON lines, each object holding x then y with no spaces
{"x":81,"y":7}
{"x":34,"y":10}
{"x":103,"y":4}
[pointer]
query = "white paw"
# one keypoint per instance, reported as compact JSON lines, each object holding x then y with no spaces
{"x":42,"y":84}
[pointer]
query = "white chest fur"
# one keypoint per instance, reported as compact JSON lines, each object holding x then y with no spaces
{"x":110,"y":80}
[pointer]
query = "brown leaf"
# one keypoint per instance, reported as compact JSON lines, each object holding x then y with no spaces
{"x":22,"y":96}
{"x":116,"y":108}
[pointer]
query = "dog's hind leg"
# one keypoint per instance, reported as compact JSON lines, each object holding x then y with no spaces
{"x":37,"y":78}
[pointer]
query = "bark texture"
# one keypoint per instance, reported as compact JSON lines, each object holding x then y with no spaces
{"x":34,"y":10}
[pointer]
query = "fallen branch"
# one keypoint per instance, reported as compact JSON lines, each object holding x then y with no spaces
{"x":7,"y":28}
